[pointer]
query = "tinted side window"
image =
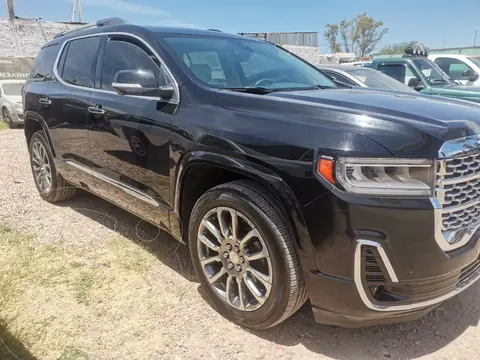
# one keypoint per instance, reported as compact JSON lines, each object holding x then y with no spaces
{"x":45,"y":61}
{"x":81,"y":62}
{"x":123,"y":55}
{"x":453,"y":67}
{"x":399,"y":72}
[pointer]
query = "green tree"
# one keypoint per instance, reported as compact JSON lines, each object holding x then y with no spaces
{"x":331,"y":35}
{"x":397,"y":48}
{"x":359,"y":35}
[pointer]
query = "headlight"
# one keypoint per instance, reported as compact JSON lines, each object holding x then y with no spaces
{"x":381,"y":177}
{"x":18,"y":105}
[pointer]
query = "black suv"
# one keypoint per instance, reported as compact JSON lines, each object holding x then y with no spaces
{"x":284,"y":187}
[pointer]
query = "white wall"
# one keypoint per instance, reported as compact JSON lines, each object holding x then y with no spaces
{"x":308,"y":53}
{"x":26,"y":37}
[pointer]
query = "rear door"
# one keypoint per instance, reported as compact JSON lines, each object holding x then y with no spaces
{"x":130,"y":135}
{"x":65,"y":108}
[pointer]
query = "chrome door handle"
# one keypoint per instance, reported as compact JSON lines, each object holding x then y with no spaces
{"x":96,"y":110}
{"x":45,"y":101}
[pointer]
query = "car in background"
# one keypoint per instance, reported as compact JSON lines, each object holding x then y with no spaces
{"x":11,"y":101}
{"x":426,"y":77}
{"x":462,"y":68}
{"x":361,"y":76}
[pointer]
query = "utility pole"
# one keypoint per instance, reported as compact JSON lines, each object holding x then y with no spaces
{"x":475,"y":37}
{"x":11,"y":9}
{"x":77,"y":7}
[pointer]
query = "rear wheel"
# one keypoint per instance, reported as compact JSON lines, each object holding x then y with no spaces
{"x":50,"y":184}
{"x":243,"y":252}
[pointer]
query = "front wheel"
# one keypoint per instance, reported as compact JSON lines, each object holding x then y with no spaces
{"x":8,"y":118}
{"x":243,"y":253}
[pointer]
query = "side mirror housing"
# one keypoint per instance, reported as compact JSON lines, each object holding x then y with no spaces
{"x":415,"y":84}
{"x":140,"y":83}
{"x":470,"y":74}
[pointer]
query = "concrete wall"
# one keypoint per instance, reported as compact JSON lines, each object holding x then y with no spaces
{"x":24,"y":38}
{"x":308,"y":53}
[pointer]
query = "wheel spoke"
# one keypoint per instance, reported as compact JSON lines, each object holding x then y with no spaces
{"x":208,"y":243}
{"x":234,"y":230}
{"x":215,"y":232}
{"x":255,"y":291}
{"x":257,"y":256}
{"x":264,"y":279}
{"x":36,"y":154}
{"x":229,"y":289}
{"x":252,"y":233}
{"x":241,"y":293}
{"x":35,"y":160}
{"x":214,"y":278}
{"x":223,"y":224}
{"x":210,"y":259}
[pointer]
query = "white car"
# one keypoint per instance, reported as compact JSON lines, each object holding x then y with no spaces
{"x":11,"y":101}
{"x":462,"y":68}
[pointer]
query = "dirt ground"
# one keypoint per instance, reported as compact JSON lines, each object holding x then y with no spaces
{"x":85,"y":280}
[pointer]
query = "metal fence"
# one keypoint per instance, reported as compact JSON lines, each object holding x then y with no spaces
{"x":287,"y":38}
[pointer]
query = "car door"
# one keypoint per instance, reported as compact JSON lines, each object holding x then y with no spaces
{"x":455,"y":68}
{"x":405,"y":74}
{"x":62,"y":100}
{"x":130,"y":135}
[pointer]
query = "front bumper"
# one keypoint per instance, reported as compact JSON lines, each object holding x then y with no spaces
{"x":17,"y":117}
{"x":380,"y":262}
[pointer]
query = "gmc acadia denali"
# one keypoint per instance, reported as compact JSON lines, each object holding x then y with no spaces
{"x":284,"y":187}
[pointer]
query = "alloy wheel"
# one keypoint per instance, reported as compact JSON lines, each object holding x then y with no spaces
{"x":6,"y":116}
{"x":234,"y":258}
{"x":41,"y":167}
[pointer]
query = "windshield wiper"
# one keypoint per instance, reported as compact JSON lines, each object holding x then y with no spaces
{"x":252,"y":90}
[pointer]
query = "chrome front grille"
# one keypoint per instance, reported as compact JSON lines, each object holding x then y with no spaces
{"x":458,"y":193}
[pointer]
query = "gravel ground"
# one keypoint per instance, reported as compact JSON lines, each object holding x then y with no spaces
{"x":194,"y":330}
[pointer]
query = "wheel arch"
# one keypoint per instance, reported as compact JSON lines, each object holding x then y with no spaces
{"x":210,"y":165}
{"x":33,"y":123}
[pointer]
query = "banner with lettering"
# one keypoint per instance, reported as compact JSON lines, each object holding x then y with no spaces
{"x":15,"y":68}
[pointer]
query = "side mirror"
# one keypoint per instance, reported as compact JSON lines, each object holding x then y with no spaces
{"x":415,"y":84}
{"x":470,"y":74}
{"x":140,"y":83}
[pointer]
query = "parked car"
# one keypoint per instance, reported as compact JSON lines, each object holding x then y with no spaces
{"x":423,"y":75}
{"x":11,"y":101}
{"x":283,"y":186}
{"x":462,"y":68}
{"x":363,"y":77}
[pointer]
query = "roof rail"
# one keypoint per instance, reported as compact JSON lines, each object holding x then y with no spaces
{"x":103,"y":22}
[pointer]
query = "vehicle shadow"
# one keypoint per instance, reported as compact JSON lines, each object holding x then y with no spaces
{"x":399,"y":341}
{"x":10,"y":347}
{"x":157,"y":242}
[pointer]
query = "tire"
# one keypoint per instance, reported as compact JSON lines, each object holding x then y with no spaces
{"x":7,"y":118}
{"x":252,"y":206}
{"x":58,"y":189}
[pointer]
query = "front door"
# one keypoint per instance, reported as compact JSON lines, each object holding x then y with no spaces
{"x":130,"y":135}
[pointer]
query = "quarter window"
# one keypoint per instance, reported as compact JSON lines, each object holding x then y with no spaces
{"x":44,"y":63}
{"x":123,"y":55}
{"x":81,"y":62}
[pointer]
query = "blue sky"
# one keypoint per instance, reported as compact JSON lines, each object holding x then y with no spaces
{"x":429,"y":21}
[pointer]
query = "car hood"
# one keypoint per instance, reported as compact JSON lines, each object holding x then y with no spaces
{"x":405,"y":124}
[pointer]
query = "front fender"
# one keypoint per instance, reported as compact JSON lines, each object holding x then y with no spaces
{"x":257,"y":172}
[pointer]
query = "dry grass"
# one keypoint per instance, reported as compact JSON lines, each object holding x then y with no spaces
{"x":3,"y":125}
{"x":57,"y":303}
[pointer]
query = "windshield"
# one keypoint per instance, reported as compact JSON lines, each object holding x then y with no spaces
{"x":475,"y":60}
{"x":230,"y":63}
{"x":432,"y":72}
{"x":13,"y":89}
{"x":376,"y":79}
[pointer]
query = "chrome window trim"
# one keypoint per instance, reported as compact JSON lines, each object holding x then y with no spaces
{"x":451,"y":149}
{"x":388,"y":308}
{"x":175,"y":100}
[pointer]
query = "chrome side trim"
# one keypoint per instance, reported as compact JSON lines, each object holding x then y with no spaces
{"x":175,"y":99}
{"x":358,"y":274}
{"x":126,"y":188}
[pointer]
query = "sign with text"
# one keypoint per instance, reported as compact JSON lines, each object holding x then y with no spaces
{"x":15,"y":68}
